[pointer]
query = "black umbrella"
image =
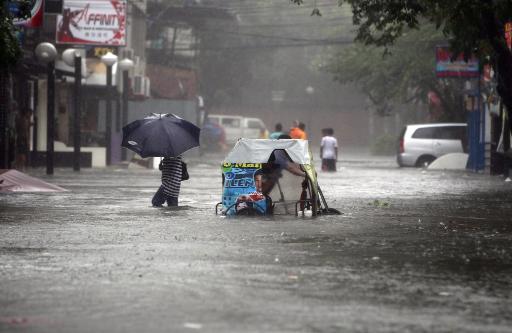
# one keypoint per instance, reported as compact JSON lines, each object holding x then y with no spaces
{"x":160,"y":135}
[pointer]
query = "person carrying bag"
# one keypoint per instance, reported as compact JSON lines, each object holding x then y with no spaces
{"x":184,"y":171}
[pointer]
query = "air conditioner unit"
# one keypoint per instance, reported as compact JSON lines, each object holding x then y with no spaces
{"x":127,"y":53}
{"x":138,"y":86}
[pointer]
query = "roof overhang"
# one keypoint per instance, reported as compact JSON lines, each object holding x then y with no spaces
{"x":259,"y":150}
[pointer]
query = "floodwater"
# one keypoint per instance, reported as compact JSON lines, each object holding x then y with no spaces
{"x":414,"y":251}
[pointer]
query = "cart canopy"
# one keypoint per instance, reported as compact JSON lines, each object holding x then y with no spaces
{"x":259,"y":150}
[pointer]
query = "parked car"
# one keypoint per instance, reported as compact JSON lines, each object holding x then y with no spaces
{"x":420,"y":144}
{"x":237,"y":127}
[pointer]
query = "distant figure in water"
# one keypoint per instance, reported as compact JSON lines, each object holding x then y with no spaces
{"x":296,"y":132}
{"x":328,"y":150}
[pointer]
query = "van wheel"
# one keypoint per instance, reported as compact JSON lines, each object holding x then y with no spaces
{"x":424,"y":161}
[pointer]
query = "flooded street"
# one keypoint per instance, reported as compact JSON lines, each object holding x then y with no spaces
{"x":244,"y":91}
{"x":414,"y":251}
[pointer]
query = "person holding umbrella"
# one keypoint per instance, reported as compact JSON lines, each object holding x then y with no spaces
{"x":167,"y":136}
{"x":171,"y":182}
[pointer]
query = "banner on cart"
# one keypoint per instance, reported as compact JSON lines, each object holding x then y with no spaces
{"x":242,"y":189}
{"x":93,"y":22}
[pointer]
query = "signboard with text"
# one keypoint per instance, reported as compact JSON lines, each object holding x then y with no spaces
{"x":93,"y":22}
{"x":458,"y":67}
{"x":242,"y":189}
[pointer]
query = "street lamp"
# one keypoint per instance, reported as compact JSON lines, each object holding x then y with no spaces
{"x":109,"y":59}
{"x":73,"y":58}
{"x":46,"y":53}
{"x":310,"y":91}
{"x":125,"y":65}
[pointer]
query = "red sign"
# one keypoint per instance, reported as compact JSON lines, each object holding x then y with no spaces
{"x":36,"y":14}
{"x":93,"y":22}
{"x":508,"y":34}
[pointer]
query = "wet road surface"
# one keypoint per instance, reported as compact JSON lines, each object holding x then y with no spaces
{"x":415,"y":251}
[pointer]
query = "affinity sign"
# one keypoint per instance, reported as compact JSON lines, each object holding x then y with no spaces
{"x":93,"y":22}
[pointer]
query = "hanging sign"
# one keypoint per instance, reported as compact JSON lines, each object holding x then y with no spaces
{"x":508,"y":34}
{"x":93,"y":22}
{"x":459,"y":67}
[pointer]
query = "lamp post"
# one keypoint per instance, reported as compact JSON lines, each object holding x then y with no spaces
{"x":109,"y":59}
{"x":310,"y":91}
{"x":125,"y":65}
{"x":47,"y":53}
{"x":73,"y":58}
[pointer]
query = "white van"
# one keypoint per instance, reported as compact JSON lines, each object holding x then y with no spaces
{"x":237,"y":127}
{"x":421,"y":144}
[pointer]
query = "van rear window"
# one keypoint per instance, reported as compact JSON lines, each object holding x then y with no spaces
{"x":254,"y":124}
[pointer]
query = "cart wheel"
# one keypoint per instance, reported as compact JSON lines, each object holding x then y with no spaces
{"x":217,"y":208}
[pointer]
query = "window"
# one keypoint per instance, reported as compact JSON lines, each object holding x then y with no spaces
{"x":451,"y":133}
{"x":89,"y":127}
{"x":213,"y":120}
{"x":458,"y":132}
{"x":231,"y":122}
{"x":254,"y":124}
{"x":424,"y":133}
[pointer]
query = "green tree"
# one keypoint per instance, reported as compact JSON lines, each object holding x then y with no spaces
{"x":10,"y":53}
{"x":10,"y":50}
{"x":471,"y":26}
{"x":404,"y":74}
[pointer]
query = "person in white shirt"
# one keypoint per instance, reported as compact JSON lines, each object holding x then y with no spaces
{"x":328,"y":150}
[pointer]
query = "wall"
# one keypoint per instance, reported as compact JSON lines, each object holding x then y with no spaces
{"x":182,"y":108}
{"x":350,"y":127}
